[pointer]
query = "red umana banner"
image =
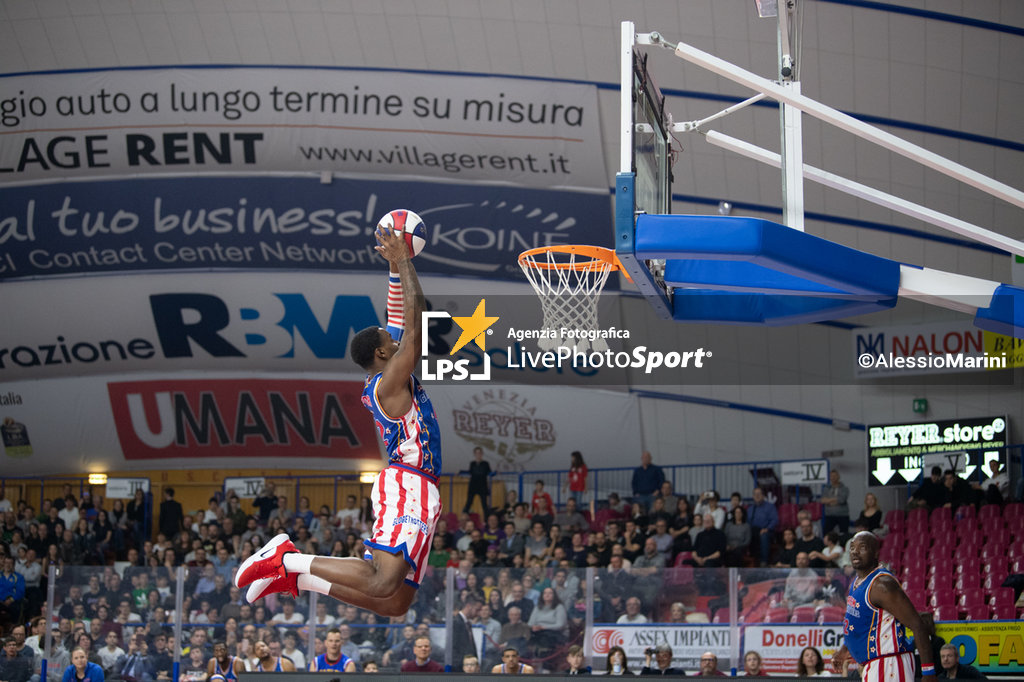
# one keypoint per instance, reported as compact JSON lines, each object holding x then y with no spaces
{"x":242,"y":418}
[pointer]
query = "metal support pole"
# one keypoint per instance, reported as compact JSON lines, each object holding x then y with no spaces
{"x":449,"y":614}
{"x":51,"y":608}
{"x":792,"y":146}
{"x":588,"y":626}
{"x":314,"y":596}
{"x":179,"y":605}
{"x":734,"y":620}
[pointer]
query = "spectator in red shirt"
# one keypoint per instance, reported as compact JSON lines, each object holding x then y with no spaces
{"x":577,"y":479}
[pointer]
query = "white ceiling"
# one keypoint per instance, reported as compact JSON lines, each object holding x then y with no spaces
{"x":911,"y":69}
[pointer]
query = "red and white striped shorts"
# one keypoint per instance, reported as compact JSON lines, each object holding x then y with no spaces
{"x":891,"y":668}
{"x":407,"y":505}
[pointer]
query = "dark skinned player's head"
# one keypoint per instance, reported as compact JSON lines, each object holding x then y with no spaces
{"x":364,"y":346}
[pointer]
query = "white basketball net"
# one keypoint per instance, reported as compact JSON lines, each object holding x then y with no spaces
{"x":569,"y":291}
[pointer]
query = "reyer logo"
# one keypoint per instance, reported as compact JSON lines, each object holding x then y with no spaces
{"x":189,"y":323}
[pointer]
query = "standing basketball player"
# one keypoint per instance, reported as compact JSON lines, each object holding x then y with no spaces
{"x":406,"y":501}
{"x":877,"y":610}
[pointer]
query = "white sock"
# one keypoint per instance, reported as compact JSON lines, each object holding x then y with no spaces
{"x":314,"y":583}
{"x":297,"y":563}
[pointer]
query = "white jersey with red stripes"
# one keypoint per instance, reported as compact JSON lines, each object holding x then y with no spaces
{"x":408,"y":504}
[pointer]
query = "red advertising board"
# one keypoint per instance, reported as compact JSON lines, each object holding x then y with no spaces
{"x":242,"y":418}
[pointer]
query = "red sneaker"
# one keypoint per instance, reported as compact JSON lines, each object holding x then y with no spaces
{"x":266,"y":563}
{"x":264,"y":586}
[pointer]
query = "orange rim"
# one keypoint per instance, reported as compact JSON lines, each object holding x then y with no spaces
{"x":598,"y":256}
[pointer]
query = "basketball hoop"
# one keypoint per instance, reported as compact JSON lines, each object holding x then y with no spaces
{"x":568,"y":280}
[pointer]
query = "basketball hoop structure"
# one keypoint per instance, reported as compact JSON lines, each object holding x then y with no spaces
{"x":568,"y":280}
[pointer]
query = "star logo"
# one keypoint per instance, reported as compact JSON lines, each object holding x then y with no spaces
{"x":473,"y":328}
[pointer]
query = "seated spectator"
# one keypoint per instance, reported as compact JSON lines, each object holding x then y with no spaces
{"x":737,"y":538}
{"x":752,"y":665}
{"x":668,"y":497}
{"x":574,"y":661}
{"x":663,"y":539}
{"x":785,"y":557}
{"x":81,"y":669}
{"x":808,"y":542}
{"x":709,"y":665}
{"x":511,"y":665}
{"x":617,"y":663}
{"x":400,"y":652}
{"x":952,"y":668}
{"x":616,"y":506}
{"x":680,"y":526}
{"x":571,"y":519}
{"x":520,"y":518}
{"x":537,"y":544}
{"x":512,"y":544}
{"x":802,"y":583}
{"x":996,"y":488}
{"x":633,"y":613}
{"x":958,"y":491}
{"x":810,"y":663}
{"x":831,"y":552}
{"x":931,"y":493}
{"x":111,"y":653}
{"x":709,"y":549}
{"x":662,"y":655}
{"x":871,"y":516}
{"x":14,"y":668}
{"x":708,"y":504}
{"x":515,"y":633}
{"x":544,"y":513}
{"x":421,"y":661}
{"x":658,"y":512}
{"x":549,"y":623}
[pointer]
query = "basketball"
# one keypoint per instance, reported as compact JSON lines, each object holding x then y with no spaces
{"x":410,"y":226}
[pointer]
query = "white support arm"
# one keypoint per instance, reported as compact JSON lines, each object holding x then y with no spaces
{"x":946,"y":289}
{"x":850,"y":124}
{"x":955,"y":225}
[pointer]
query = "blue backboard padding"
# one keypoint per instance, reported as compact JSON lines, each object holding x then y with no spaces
{"x":1005,"y":314}
{"x":738,"y":276}
{"x":773,"y":246}
{"x":718,"y":307}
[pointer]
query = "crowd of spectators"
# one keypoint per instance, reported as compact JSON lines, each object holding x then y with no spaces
{"x":515,"y":572}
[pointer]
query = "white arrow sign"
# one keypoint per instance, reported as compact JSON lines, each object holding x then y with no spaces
{"x":883,"y":470}
{"x":910,"y":474}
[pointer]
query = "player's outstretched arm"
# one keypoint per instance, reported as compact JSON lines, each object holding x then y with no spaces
{"x":393,"y":388}
{"x":887,"y":594}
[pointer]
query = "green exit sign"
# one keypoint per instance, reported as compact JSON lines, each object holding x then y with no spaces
{"x":920,"y":405}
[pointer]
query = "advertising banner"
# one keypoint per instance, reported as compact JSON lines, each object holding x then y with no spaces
{"x":225,"y":223}
{"x":806,"y":473}
{"x":530,"y":132}
{"x":780,"y":644}
{"x":996,"y":647}
{"x":248,"y":488}
{"x":898,"y":452}
{"x":242,"y":418}
{"x":688,"y":642}
{"x":124,"y":488}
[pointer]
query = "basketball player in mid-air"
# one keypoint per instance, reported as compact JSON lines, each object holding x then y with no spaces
{"x":406,"y":502}
{"x":877,"y":611}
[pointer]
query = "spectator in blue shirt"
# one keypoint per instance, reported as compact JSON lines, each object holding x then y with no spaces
{"x":763,"y":518}
{"x":12,"y":593}
{"x":81,"y":670}
{"x":647,"y":480}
